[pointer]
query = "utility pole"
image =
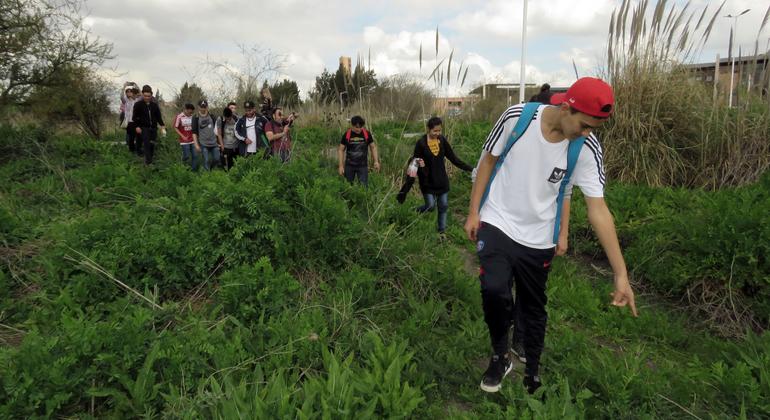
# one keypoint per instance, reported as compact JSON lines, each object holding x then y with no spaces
{"x":732,"y":70}
{"x":522,"y":73}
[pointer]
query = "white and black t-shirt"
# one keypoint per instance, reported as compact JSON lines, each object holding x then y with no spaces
{"x":522,"y":198}
{"x":251,"y":134}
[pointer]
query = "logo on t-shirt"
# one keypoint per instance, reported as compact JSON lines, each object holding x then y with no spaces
{"x":557,"y":175}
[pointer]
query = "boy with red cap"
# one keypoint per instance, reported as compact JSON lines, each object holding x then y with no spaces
{"x":518,"y":204}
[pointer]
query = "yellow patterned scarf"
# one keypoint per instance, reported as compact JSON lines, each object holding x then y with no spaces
{"x":433,"y":145}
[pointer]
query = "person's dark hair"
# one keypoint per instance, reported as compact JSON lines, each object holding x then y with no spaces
{"x":433,"y":122}
{"x":275,"y":109}
{"x":545,"y":87}
{"x":357,"y":120}
{"x":227,"y":112}
{"x":231,"y":103}
{"x":189,"y":106}
{"x":146,"y":89}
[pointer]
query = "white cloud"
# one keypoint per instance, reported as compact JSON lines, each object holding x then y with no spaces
{"x":503,"y":18}
{"x":165,"y":43}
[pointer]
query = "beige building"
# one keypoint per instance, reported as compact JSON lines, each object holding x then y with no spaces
{"x":751,"y":73}
{"x":346,"y":64}
{"x":454,"y":105}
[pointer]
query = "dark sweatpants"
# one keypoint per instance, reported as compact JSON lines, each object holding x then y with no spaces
{"x":362,"y":172}
{"x":149,"y":138}
{"x":228,"y":158}
{"x":503,"y":263}
{"x":132,"y":138}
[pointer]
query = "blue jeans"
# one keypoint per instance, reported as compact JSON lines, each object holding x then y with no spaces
{"x":443,"y":207}
{"x":210,"y":156}
{"x":188,"y":153}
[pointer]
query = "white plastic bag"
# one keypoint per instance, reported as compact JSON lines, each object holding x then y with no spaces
{"x":412,"y":170}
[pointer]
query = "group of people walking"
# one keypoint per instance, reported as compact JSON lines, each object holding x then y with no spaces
{"x":216,"y":140}
{"x":519,"y":206}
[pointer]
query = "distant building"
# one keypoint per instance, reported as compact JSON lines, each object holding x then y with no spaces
{"x":346,"y":64}
{"x":510,"y":91}
{"x":454,"y":105}
{"x":750,"y":73}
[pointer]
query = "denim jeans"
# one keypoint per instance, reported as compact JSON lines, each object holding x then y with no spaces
{"x":443,"y":206}
{"x":210,"y":156}
{"x":188,"y":153}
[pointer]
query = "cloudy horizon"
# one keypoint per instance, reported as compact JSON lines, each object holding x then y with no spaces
{"x":167,"y":43}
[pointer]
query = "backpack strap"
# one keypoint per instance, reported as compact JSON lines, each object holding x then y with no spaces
{"x":573,"y":152}
{"x":366,"y":134}
{"x":525,"y":118}
{"x":347,"y":135}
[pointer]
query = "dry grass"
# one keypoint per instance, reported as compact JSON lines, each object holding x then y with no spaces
{"x":667,"y":128}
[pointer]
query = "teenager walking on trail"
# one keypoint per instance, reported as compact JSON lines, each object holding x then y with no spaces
{"x":183,"y":127}
{"x":147,"y":117}
{"x":278,"y":132}
{"x":430,"y":151}
{"x":130,"y":97}
{"x":533,"y":156}
{"x":250,"y":131}
{"x":225,"y":129}
{"x":204,"y":136}
{"x":352,"y":152}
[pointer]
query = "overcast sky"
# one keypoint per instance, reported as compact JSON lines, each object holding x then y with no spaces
{"x":165,"y":42}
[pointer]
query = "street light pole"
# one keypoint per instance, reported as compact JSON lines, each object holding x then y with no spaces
{"x":522,"y":72}
{"x":732,"y":69}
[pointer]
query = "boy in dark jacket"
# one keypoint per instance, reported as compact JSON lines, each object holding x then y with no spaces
{"x":147,"y":118}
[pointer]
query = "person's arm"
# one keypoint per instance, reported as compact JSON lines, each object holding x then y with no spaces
{"x":218,"y":128}
{"x":601,"y":219}
{"x":375,"y":156}
{"x":177,"y":124}
{"x":159,"y":116}
{"x":483,"y":174}
{"x":341,"y":159}
{"x":272,"y":136}
{"x":195,"y":133}
{"x":136,"y":113}
{"x":418,"y":154}
{"x":341,"y":155}
{"x":561,"y":246}
{"x":450,"y":154}
{"x":218,"y":133}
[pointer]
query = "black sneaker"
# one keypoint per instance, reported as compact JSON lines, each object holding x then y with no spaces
{"x":532,"y":383}
{"x":499,"y":366}
{"x":517,"y":349}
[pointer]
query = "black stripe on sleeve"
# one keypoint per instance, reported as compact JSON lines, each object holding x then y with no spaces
{"x":497,"y":130}
{"x":593,"y":145}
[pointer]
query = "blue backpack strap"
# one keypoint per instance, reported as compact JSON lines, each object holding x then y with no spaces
{"x":573,"y":152}
{"x":525,"y":118}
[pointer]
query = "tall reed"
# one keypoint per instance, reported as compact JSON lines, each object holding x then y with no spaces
{"x":667,"y":128}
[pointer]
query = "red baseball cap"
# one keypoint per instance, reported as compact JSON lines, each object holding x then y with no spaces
{"x":588,"y":95}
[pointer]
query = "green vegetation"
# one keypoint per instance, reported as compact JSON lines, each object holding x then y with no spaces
{"x":279,"y":291}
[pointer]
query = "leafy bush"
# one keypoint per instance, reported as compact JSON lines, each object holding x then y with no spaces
{"x":679,"y":239}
